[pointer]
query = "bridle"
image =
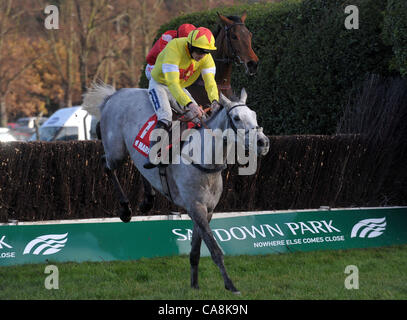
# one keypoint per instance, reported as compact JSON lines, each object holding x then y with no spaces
{"x":235,"y":57}
{"x":222,"y":167}
{"x":231,"y":122}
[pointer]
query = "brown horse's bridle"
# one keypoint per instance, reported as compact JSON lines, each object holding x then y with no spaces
{"x":235,"y":57}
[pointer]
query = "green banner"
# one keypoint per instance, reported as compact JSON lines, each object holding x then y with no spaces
{"x":250,"y":233}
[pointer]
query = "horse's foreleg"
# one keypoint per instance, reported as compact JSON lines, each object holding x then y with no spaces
{"x":199,"y":216}
{"x":125,"y":210}
{"x":194,"y":256}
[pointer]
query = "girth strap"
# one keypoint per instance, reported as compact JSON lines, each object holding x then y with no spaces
{"x":164,"y":182}
{"x":209,"y":170}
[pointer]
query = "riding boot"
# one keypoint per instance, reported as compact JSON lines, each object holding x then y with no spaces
{"x":166,"y":127}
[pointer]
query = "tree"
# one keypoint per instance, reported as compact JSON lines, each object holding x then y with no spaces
{"x":13,"y":62}
{"x":61,"y":46}
{"x":90,"y":15}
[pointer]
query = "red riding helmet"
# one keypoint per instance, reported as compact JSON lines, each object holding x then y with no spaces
{"x":184,"y":30}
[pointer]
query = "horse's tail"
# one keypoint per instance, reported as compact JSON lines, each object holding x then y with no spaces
{"x":95,"y":99}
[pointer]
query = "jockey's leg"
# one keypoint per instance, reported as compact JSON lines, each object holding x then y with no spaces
{"x":160,"y":154}
{"x":159,"y":96}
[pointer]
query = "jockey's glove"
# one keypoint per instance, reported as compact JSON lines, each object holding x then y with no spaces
{"x":196,"y":121}
{"x":215,"y":106}
{"x":195,"y":110}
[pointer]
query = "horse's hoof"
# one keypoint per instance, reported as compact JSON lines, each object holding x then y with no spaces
{"x":234,"y":291}
{"x":146,"y":205}
{"x":125,"y":218}
{"x":125,"y":214}
{"x":232,"y":288}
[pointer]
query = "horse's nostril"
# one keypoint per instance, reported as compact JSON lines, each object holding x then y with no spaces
{"x":260,"y":143}
{"x":252,"y":65}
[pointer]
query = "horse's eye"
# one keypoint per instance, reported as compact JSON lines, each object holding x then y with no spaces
{"x":236,"y":118}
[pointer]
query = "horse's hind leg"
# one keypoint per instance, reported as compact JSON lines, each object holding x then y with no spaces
{"x":98,"y":131}
{"x":199,"y":215}
{"x":149,"y":196}
{"x":110,"y":169}
{"x":116,"y":153}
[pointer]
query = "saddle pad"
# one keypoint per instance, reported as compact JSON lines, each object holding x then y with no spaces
{"x":142,"y":141}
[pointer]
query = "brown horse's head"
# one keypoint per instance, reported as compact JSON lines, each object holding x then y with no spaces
{"x":234,"y":40}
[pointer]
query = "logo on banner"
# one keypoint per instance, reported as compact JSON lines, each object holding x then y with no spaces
{"x":4,"y":245}
{"x":46,"y":244}
{"x":276,"y":234}
{"x":142,"y":141}
{"x":370,"y":228}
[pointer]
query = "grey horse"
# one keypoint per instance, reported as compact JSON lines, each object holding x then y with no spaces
{"x":195,"y":187}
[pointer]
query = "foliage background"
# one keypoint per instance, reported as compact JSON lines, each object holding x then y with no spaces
{"x":310,"y":64}
{"x":42,"y":70}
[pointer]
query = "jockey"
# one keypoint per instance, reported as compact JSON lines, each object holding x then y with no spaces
{"x":160,"y":44}
{"x":177,"y":67}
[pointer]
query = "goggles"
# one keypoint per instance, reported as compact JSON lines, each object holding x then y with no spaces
{"x":200,"y":50}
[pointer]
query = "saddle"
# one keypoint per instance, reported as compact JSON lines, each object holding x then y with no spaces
{"x":142,"y":140}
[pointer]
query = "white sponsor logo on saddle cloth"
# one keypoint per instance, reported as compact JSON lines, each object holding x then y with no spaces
{"x":142,"y":141}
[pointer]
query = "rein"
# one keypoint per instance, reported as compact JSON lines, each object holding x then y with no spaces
{"x":206,"y":110}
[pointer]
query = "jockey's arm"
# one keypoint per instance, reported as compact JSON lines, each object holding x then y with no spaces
{"x":208,"y":75}
{"x":153,"y":53}
{"x":159,"y":46}
{"x":171,"y":75}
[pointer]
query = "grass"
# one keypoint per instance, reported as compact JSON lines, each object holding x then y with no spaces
{"x":302,"y":275}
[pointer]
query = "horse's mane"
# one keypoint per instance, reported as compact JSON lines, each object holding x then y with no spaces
{"x":220,"y":25}
{"x":222,"y":107}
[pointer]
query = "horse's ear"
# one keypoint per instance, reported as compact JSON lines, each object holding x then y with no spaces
{"x":244,"y":16}
{"x":243,"y":96}
{"x":225,"y":20}
{"x":224,"y":101}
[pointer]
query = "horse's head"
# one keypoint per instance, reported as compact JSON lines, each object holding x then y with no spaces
{"x":235,"y":41}
{"x":242,"y":117}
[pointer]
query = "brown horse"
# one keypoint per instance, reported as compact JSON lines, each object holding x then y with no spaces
{"x":234,"y":46}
